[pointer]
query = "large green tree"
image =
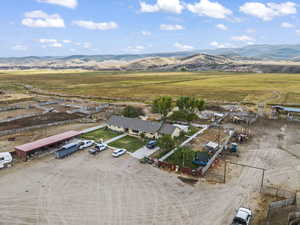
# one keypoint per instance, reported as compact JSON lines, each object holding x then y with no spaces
{"x":166,"y":143}
{"x":190,"y":104}
{"x":162,"y":105}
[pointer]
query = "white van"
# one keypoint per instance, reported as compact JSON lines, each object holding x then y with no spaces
{"x":5,"y":159}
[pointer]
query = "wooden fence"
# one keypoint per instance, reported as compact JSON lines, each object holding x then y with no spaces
{"x":178,"y":169}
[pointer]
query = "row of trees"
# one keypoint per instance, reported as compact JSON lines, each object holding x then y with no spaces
{"x":188,"y":106}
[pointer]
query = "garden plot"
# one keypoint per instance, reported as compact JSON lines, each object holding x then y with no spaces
{"x":130,"y":143}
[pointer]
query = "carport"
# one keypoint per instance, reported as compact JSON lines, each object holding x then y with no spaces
{"x":24,"y":151}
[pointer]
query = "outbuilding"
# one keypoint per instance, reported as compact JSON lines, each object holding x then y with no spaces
{"x":290,"y":113}
{"x":42,"y":145}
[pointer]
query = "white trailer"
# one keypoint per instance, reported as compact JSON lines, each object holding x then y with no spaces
{"x":5,"y":159}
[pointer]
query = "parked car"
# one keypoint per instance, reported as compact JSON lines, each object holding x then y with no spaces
{"x":101,"y":147}
{"x":86,"y":144}
{"x":242,"y":217}
{"x":151,"y":144}
{"x":98,"y":148}
{"x":119,"y":152}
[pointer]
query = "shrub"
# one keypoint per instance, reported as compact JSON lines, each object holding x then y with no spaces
{"x":132,"y":112}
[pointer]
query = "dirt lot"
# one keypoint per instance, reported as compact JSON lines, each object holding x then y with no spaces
{"x":211,"y":134}
{"x":84,"y":189}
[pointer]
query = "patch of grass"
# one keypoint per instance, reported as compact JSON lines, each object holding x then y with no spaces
{"x":183,"y":157}
{"x":130,"y":143}
{"x":97,"y":135}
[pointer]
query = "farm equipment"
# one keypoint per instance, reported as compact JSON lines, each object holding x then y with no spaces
{"x":201,"y":159}
{"x":233,"y":148}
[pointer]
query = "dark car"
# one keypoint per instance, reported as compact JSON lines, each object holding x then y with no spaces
{"x":151,"y":144}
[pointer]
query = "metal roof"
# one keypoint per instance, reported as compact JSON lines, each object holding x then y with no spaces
{"x":288,"y":109}
{"x":47,"y":141}
{"x":141,"y":125}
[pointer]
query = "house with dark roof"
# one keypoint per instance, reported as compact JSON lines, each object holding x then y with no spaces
{"x":150,"y":129}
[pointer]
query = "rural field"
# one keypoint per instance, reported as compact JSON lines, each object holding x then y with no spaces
{"x":144,"y":86}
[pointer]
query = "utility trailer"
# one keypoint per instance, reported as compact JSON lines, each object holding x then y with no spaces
{"x":67,"y":150}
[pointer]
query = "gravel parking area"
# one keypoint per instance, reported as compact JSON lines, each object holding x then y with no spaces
{"x":88,"y":190}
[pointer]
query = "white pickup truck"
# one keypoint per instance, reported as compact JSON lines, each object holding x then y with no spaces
{"x":242,"y":217}
{"x":5,"y":159}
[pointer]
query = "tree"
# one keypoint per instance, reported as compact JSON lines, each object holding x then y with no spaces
{"x":189,"y":104}
{"x":162,"y":105}
{"x":166,"y":143}
{"x":132,"y":112}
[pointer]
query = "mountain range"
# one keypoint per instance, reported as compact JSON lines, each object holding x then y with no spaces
{"x":252,"y":58}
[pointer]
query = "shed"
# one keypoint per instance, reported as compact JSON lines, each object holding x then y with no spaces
{"x":23,"y":151}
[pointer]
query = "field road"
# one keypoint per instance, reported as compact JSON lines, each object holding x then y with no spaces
{"x":101,"y":190}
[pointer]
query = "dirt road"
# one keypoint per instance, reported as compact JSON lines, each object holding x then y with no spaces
{"x":90,"y":190}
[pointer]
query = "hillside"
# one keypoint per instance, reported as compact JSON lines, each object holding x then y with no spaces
{"x":253,"y":58}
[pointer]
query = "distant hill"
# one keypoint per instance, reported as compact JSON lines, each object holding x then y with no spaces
{"x":253,"y":58}
{"x":263,"y":52}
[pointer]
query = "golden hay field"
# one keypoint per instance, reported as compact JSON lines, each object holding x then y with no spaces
{"x":144,"y":86}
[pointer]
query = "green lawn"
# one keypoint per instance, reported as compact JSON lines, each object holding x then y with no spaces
{"x":183,"y":157}
{"x":104,"y":134}
{"x":130,"y":143}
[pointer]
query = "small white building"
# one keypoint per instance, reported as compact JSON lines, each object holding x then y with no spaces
{"x":150,"y":129}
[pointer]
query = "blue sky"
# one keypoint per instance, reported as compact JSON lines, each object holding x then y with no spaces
{"x":68,"y":27}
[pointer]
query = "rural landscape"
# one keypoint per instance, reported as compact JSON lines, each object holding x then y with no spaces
{"x":152,"y":112}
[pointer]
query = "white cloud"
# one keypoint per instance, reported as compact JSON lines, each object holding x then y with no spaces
{"x":217,"y":44}
{"x":19,"y":48}
{"x":50,"y":43}
{"x":183,"y":47}
{"x":66,"y":3}
{"x":44,"y":40}
{"x":41,"y":19}
{"x":298,"y":32}
{"x":137,"y":48}
{"x":56,"y":45}
{"x":210,"y":9}
{"x":146,"y":33}
{"x":251,"y":31}
{"x":171,"y":27}
{"x":286,"y":25}
{"x":268,"y":11}
{"x":242,"y":38}
{"x":173,"y":6}
{"x":91,"y":25}
{"x":87,"y":45}
{"x":222,"y":27}
{"x":67,"y":41}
